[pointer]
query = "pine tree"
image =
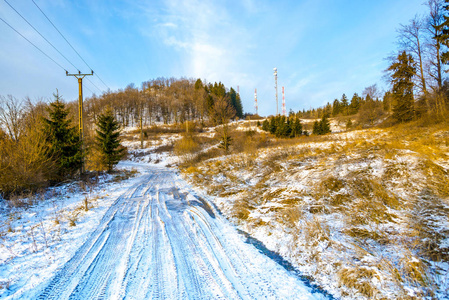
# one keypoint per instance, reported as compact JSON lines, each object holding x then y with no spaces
{"x":316,"y":128}
{"x":296,"y":128}
{"x":355,"y":104}
{"x":322,"y":126}
{"x":273,"y":125}
{"x":336,"y":108}
{"x":266,"y":125}
{"x":108,"y":140}
{"x":325,"y":125}
{"x":239,"y":107}
{"x":236,"y":103}
{"x":344,"y":104}
{"x":283,"y":127}
{"x":64,"y":144}
{"x":444,"y":37}
{"x":348,"y":124}
{"x":402,"y":71}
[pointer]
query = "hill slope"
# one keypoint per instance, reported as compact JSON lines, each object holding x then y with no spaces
{"x":364,"y":213}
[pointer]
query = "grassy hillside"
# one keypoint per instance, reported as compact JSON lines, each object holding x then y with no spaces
{"x":364,"y":213}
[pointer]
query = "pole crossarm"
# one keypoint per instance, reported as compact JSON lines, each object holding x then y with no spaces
{"x":80,"y":77}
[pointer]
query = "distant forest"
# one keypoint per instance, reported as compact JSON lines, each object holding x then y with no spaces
{"x":166,"y":100}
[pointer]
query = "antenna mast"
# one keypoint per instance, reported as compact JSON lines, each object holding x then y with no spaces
{"x":284,"y":112}
{"x":255,"y":101}
{"x":276,"y":87}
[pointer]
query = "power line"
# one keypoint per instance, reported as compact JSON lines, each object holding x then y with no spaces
{"x":89,"y":89}
{"x":33,"y":45}
{"x":93,"y":85}
{"x":41,"y":35}
{"x":68,"y":42}
{"x":102,"y":81}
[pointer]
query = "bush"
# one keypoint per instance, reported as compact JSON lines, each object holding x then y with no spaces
{"x":24,"y":165}
{"x":186,"y":148}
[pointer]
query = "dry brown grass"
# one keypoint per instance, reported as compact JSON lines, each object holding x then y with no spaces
{"x":241,"y":210}
{"x":365,"y":234}
{"x":413,"y":269}
{"x":383,"y":192}
{"x":359,"y":278}
{"x":315,"y":231}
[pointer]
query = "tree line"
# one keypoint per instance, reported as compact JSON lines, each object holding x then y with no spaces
{"x":416,"y":74}
{"x":165,"y":100}
{"x":40,"y":144}
{"x":284,"y":127}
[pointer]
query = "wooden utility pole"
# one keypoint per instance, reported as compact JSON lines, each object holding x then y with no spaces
{"x":141,"y":101}
{"x":80,"y":111}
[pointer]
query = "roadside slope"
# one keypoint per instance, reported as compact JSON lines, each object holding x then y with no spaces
{"x":364,"y":213}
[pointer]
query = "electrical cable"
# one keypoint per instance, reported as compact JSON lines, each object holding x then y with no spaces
{"x":68,"y":42}
{"x":42,"y":35}
{"x":89,"y":89}
{"x":93,"y":84}
{"x":33,"y":45}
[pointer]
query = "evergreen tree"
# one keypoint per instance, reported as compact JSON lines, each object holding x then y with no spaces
{"x":239,"y":107}
{"x":344,"y":104}
{"x":402,"y":71}
{"x":283,"y":127}
{"x":296,"y":128}
{"x":386,"y":102}
{"x":316,"y":128}
{"x":325,"y":125}
{"x":236,"y":103}
{"x":336,"y":108}
{"x":348,"y":124}
{"x":444,"y":37}
{"x":198,"y":84}
{"x":64,"y":144}
{"x":273,"y":125}
{"x":210,"y":102}
{"x":108,"y":140}
{"x":217,"y":89}
{"x":266,"y":125}
{"x":322,"y":126}
{"x":355,"y":104}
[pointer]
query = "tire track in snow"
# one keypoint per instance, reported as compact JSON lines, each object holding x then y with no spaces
{"x":155,"y":243}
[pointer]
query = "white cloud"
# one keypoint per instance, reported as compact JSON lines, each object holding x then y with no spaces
{"x":211,"y":40}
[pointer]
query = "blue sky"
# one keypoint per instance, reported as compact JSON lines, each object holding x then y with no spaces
{"x":321,"y":48}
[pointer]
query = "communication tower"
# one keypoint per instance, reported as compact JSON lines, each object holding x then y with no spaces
{"x":255,"y":101}
{"x":276,"y":88}
{"x":284,"y":112}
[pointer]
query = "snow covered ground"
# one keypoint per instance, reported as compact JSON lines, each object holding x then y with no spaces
{"x":364,"y":213}
{"x":37,"y":240}
{"x":147,"y":237}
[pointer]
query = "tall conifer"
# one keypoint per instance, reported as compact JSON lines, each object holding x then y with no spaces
{"x":108,"y":140}
{"x":64,"y":144}
{"x":402,"y":71}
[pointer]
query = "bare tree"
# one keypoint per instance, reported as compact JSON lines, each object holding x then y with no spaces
{"x":221,"y":114}
{"x":11,"y":116}
{"x":411,"y":39}
{"x":435,"y":28}
{"x":372,"y":91}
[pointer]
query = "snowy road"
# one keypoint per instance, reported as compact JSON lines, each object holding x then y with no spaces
{"x":160,"y":241}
